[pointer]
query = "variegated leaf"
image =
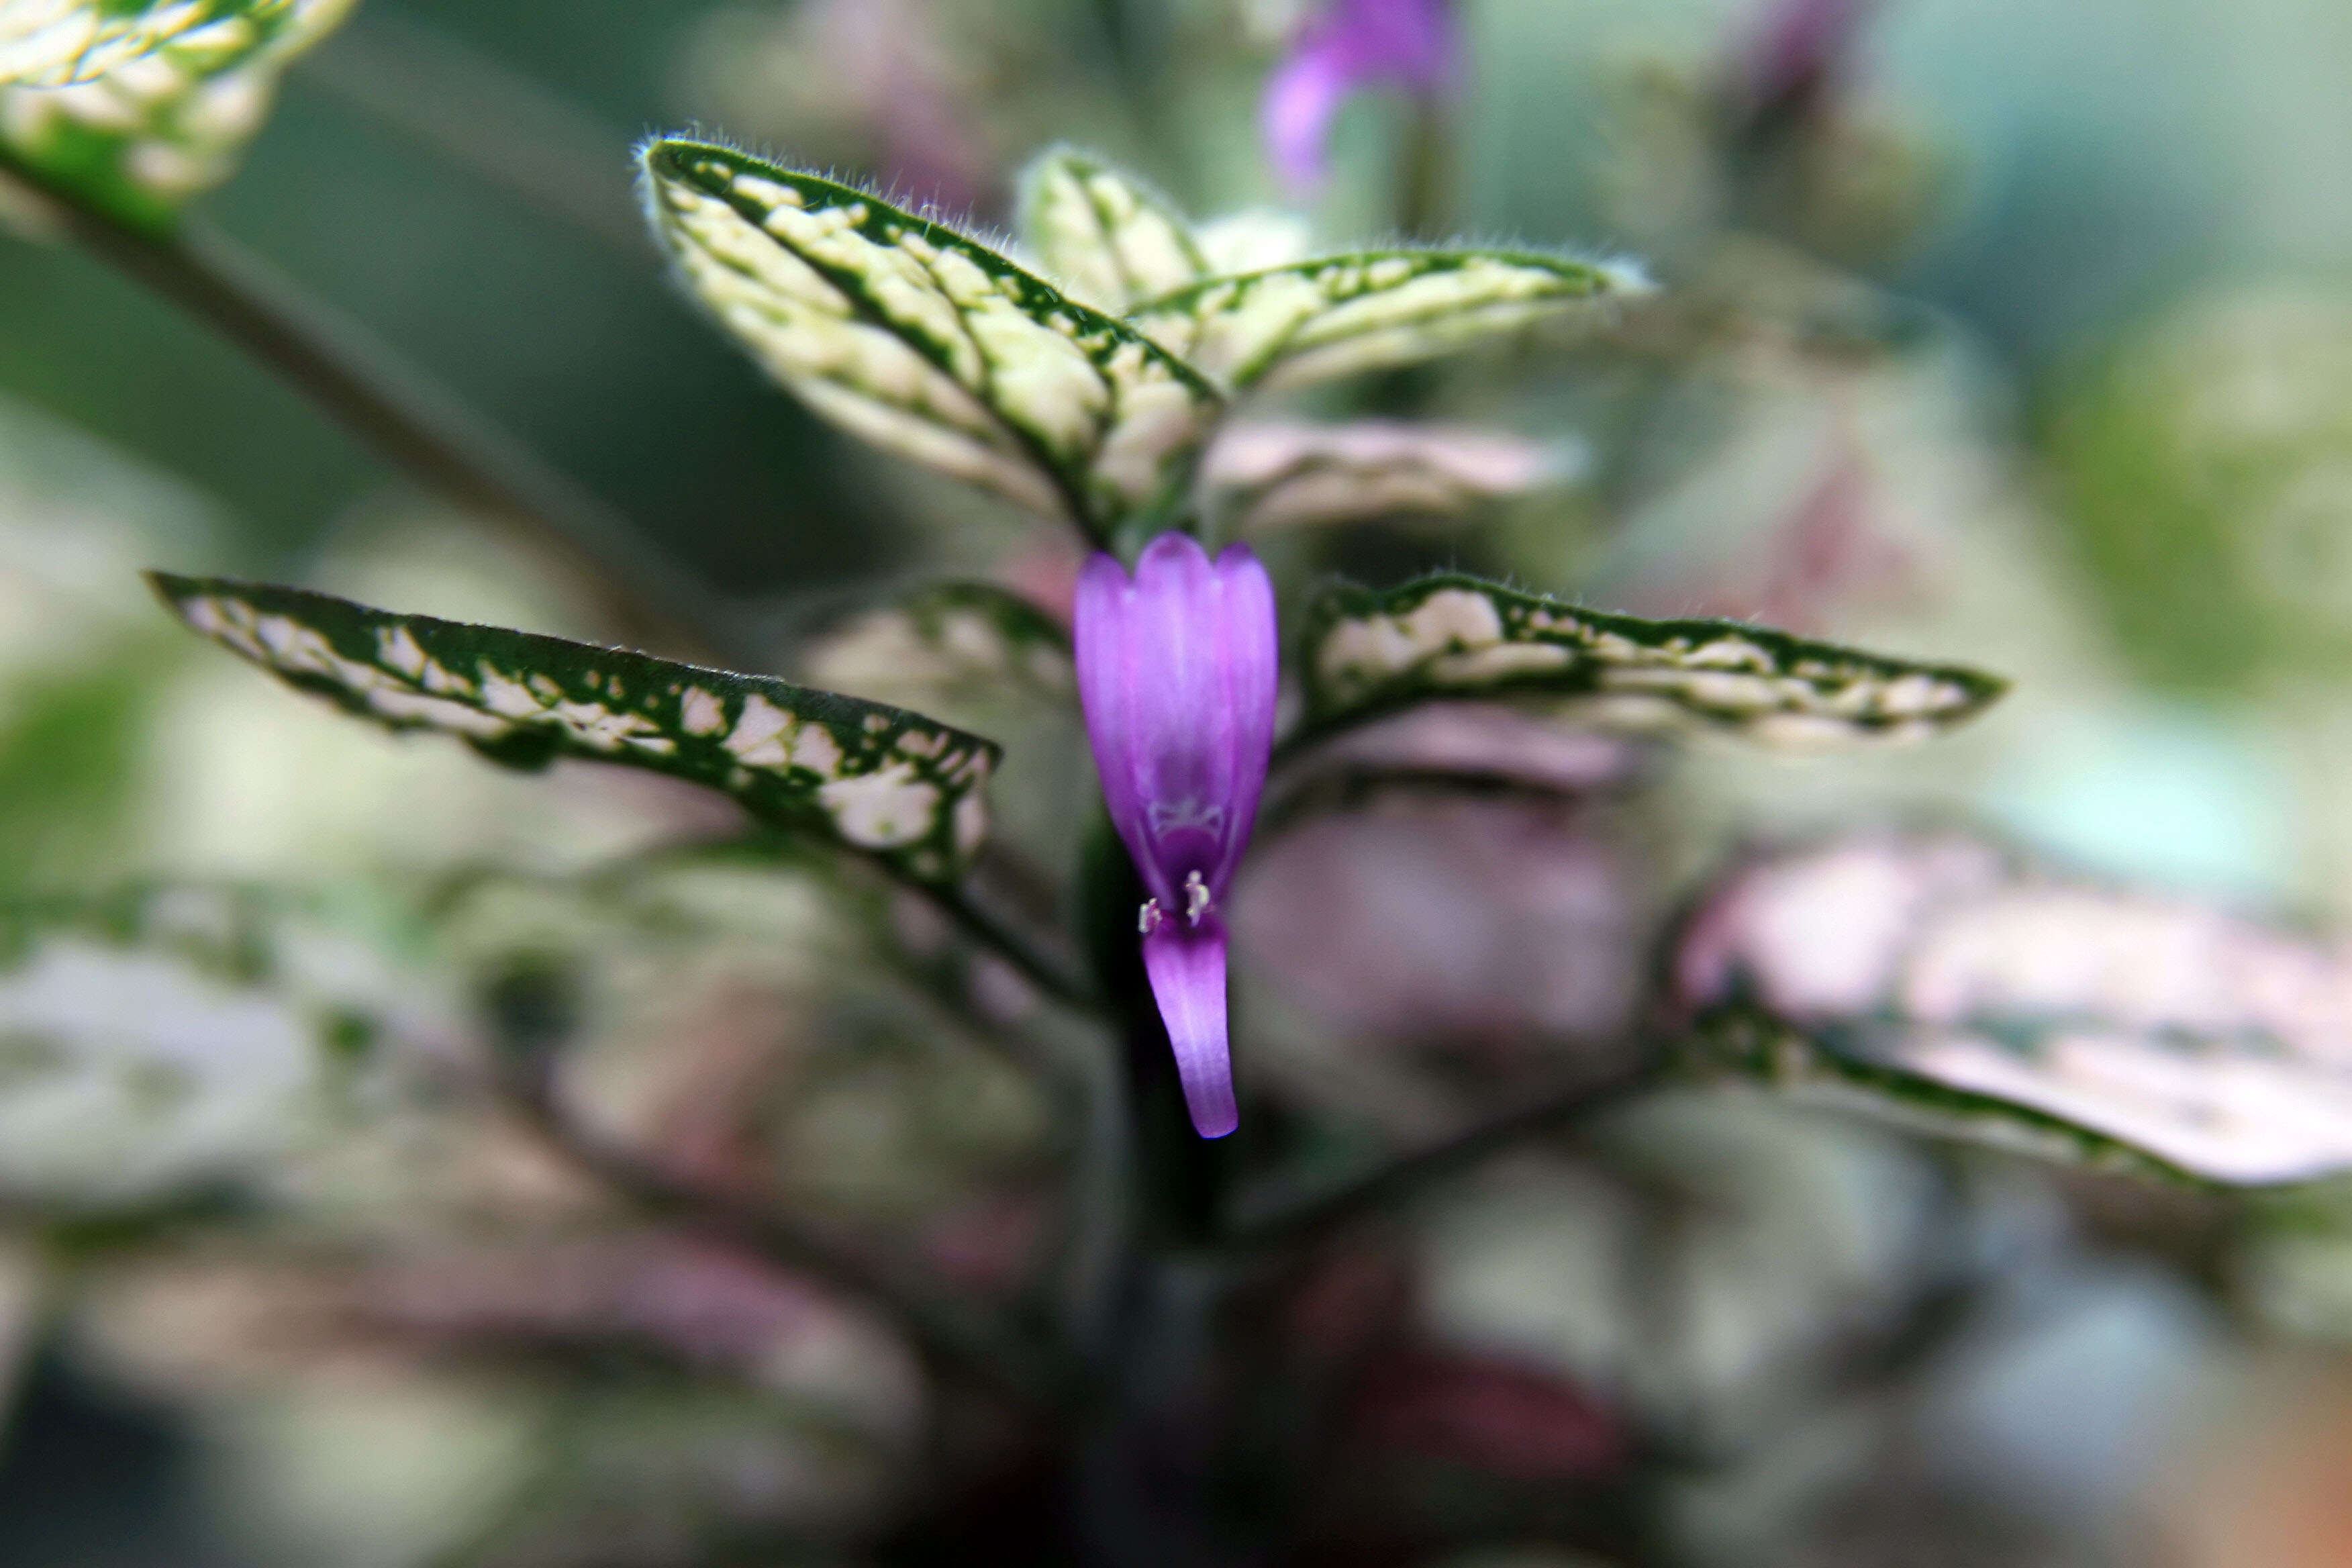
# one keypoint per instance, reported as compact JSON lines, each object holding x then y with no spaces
{"x":136,"y":109}
{"x":1253,"y":239}
{"x":927,"y":343}
{"x":54,"y":43}
{"x":1112,"y":241}
{"x":946,"y":637}
{"x":1457,"y":637}
{"x":1274,"y":474}
{"x":877,"y":778}
{"x":177,"y":1037}
{"x":1314,"y":319}
{"x":1942,"y":983}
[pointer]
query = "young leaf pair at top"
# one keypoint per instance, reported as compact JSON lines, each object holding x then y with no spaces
{"x":1090,"y":400}
{"x":134,"y":108}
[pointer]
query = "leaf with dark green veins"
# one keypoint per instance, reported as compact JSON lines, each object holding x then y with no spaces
{"x":1944,"y":984}
{"x":134,"y":108}
{"x":1112,"y":240}
{"x":873,"y":777}
{"x":1337,"y":315}
{"x":927,"y":342}
{"x":1454,"y":637}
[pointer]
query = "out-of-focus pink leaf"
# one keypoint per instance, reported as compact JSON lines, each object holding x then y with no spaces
{"x":1511,"y":1421}
{"x":1944,"y":981}
{"x":1438,"y":946}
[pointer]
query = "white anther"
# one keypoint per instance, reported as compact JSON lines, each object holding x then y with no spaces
{"x":1148,"y":918}
{"x":1196,"y":897}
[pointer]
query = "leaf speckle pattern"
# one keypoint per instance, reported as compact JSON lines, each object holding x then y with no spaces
{"x":1456,"y":637}
{"x":1111,"y":241}
{"x":880,"y":779}
{"x":57,"y":43}
{"x":175,"y":1036}
{"x":1311,"y":320}
{"x":928,"y":343}
{"x":137,"y":110}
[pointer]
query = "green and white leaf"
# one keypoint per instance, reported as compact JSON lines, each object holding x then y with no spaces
{"x":1271,"y":474}
{"x":948,"y":638}
{"x":873,"y":777}
{"x":1311,"y":320}
{"x":1253,"y":239}
{"x":55,"y":43}
{"x":183,"y":1038}
{"x":1109,"y":239}
{"x":927,"y":342}
{"x":137,"y":108}
{"x":1455,"y":636}
{"x":1939,"y":983}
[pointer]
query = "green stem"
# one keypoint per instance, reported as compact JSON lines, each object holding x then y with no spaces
{"x":407,"y":417}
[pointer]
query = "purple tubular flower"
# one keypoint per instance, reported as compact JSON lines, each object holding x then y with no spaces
{"x":1408,"y":44}
{"x":1176,"y":673}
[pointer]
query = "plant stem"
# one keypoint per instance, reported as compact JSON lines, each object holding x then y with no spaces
{"x":1056,"y":979}
{"x":407,"y":417}
{"x":1303,"y":1221}
{"x":947,"y":1341}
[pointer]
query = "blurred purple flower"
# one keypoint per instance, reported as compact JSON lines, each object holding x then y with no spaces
{"x":1176,"y":673}
{"x":1350,"y":45}
{"x":1795,"y":52}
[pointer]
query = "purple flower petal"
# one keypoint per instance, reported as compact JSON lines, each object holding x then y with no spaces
{"x":1302,"y":97}
{"x":1176,"y":673}
{"x":1354,"y":44}
{"x":1187,"y":966}
{"x":1177,"y":669}
{"x":1797,"y":47}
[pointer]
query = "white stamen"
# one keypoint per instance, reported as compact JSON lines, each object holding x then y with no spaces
{"x":1196,"y":897}
{"x":1148,"y":918}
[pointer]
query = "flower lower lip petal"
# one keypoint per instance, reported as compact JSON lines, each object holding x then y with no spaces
{"x":1187,"y":969}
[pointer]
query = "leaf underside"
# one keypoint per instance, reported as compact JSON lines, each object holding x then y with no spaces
{"x":1943,"y":984}
{"x":1311,"y":320}
{"x":135,"y":110}
{"x":1111,"y":241}
{"x":927,"y":342}
{"x":1271,"y":475}
{"x":877,"y":778}
{"x":1457,"y":638}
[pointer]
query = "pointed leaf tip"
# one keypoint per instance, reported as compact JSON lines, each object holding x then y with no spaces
{"x":1110,"y":239}
{"x":1311,"y":320}
{"x":872,"y":777}
{"x":1457,"y":637}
